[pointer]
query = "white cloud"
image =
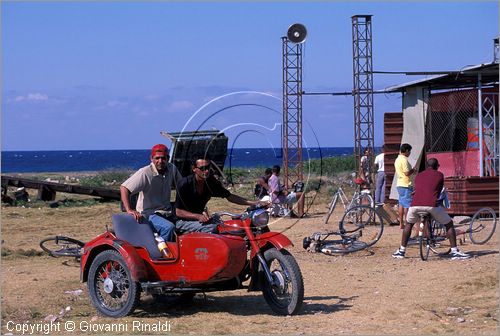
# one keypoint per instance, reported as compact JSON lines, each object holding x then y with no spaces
{"x":151,"y":97}
{"x":180,"y":105}
{"x":34,"y":97}
{"x":116,"y":103}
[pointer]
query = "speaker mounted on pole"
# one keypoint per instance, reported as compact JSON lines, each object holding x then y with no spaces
{"x":297,"y":33}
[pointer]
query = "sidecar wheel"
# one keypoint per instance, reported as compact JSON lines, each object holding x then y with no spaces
{"x":111,"y":288}
{"x":286,"y":296}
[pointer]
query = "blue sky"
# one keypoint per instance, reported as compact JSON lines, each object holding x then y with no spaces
{"x":110,"y":75}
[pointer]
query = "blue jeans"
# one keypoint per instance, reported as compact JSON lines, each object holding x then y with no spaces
{"x":380,"y":187}
{"x":184,"y":226}
{"x":164,"y":227}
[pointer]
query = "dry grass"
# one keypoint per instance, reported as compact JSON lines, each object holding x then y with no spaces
{"x":366,"y":293}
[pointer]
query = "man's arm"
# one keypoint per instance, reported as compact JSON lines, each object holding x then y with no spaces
{"x":240,"y":200}
{"x":184,"y":214}
{"x":125,"y":197}
{"x":409,"y":172}
{"x":406,"y":171}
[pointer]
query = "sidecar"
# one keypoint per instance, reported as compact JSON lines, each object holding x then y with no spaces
{"x":119,"y":264}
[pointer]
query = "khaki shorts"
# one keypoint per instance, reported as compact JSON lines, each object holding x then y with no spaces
{"x":439,"y":214}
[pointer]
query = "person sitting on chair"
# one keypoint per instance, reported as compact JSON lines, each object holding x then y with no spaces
{"x":194,"y":192}
{"x":281,"y":196}
{"x":262,"y":188}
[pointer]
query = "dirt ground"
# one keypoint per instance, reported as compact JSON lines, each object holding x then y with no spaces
{"x":364,"y":293}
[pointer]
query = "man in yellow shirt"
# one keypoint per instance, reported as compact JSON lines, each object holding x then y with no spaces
{"x":404,"y":184}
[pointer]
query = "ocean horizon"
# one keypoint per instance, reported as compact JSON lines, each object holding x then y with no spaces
{"x":100,"y":160}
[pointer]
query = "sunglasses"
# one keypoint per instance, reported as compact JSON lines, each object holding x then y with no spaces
{"x":160,"y":157}
{"x":204,"y":168}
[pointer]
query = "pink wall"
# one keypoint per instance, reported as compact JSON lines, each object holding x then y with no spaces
{"x":464,"y":163}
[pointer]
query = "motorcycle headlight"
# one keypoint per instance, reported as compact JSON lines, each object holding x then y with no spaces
{"x":260,"y":218}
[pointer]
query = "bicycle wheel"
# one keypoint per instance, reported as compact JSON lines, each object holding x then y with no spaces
{"x":424,"y":246}
{"x":364,"y":222}
{"x":342,"y":247}
{"x":364,"y":199}
{"x":438,"y":242}
{"x":60,"y":246}
{"x":482,"y":225}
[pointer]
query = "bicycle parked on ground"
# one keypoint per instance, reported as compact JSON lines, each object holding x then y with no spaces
{"x":360,"y":227}
{"x":360,"y":197}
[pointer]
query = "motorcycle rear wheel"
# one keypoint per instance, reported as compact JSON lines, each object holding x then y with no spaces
{"x":286,"y":296}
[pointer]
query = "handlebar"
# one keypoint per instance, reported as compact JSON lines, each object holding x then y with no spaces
{"x":238,"y":216}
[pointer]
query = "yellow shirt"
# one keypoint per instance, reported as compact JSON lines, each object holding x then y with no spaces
{"x":402,"y":166}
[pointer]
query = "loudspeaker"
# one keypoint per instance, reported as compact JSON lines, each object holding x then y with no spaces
{"x":297,"y":33}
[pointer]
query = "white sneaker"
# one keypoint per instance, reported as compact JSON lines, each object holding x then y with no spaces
{"x":459,"y":255}
{"x":398,"y":254}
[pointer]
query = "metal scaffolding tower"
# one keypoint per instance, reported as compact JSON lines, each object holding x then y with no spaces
{"x":362,"y":86}
{"x":292,"y":112}
{"x":495,"y":50}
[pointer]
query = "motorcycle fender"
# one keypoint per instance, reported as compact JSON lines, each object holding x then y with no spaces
{"x":268,"y":239}
{"x":134,"y":262}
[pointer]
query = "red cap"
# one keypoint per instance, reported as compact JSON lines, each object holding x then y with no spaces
{"x":159,"y":148}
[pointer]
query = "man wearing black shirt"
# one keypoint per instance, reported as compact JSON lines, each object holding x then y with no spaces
{"x":194,"y":192}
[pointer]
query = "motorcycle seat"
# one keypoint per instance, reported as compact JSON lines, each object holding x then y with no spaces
{"x":136,"y":234}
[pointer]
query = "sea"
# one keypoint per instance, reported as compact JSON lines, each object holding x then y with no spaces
{"x":102,"y":160}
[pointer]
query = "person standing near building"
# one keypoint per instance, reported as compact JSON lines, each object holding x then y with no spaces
{"x":380,"y":178}
{"x":154,"y":183}
{"x":403,"y":182}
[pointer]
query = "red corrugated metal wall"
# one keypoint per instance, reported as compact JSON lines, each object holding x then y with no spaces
{"x":393,"y":132}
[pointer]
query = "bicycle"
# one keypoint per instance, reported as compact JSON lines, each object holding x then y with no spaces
{"x":360,"y":197}
{"x":432,"y":236}
{"x":360,"y":227}
{"x":61,"y":246}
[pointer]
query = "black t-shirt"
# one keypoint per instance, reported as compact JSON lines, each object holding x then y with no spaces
{"x":188,"y":198}
{"x":259,"y":190}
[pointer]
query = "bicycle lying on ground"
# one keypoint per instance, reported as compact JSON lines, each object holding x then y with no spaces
{"x":359,"y":228}
{"x":61,"y":246}
{"x":360,"y":197}
{"x":482,"y":226}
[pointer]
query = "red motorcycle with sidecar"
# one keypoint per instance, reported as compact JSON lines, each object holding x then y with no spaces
{"x":121,"y":263}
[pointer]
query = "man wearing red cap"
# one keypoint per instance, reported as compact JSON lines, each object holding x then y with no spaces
{"x":154,"y":184}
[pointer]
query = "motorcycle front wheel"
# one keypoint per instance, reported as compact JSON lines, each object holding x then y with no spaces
{"x":286,"y":294}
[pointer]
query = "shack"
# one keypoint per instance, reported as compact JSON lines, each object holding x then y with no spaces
{"x":441,"y":117}
{"x":203,"y":143}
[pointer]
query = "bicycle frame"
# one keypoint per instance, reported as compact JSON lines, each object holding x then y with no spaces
{"x":355,"y":201}
{"x":430,"y":235}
